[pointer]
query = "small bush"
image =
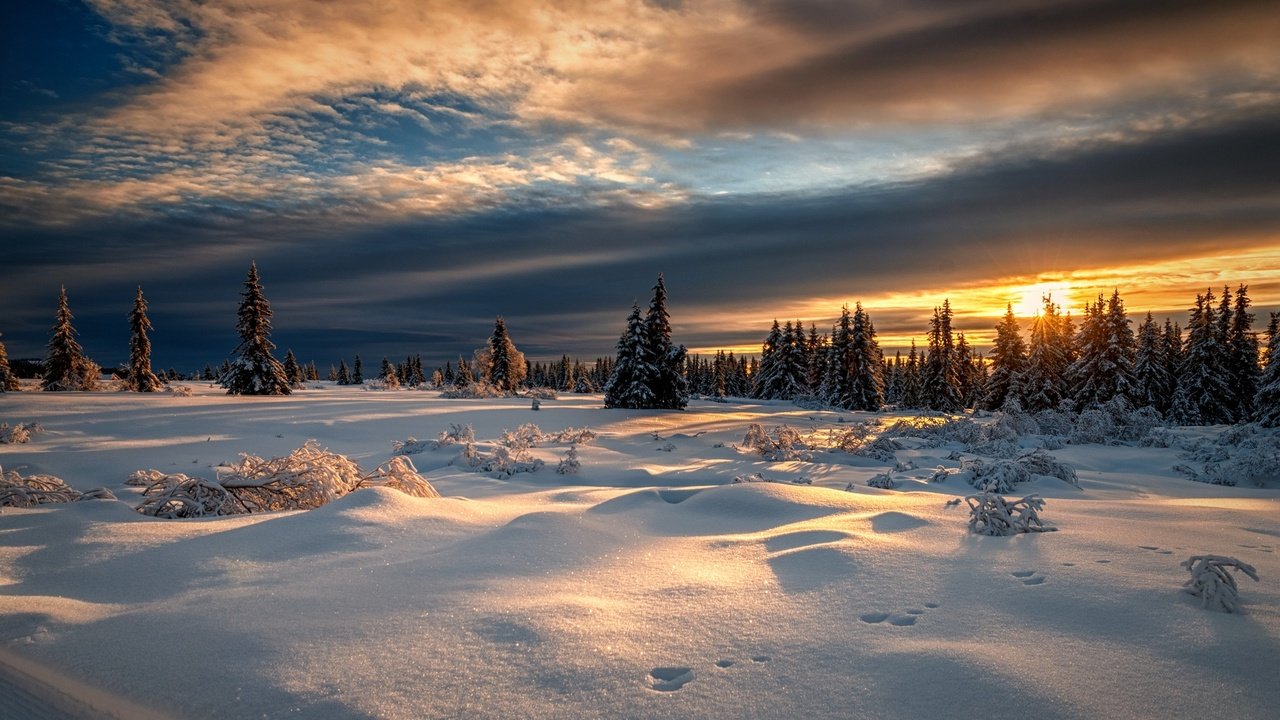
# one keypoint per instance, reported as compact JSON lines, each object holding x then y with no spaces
{"x":569,"y":464}
{"x":20,"y":491}
{"x":780,"y":444}
{"x":1213,"y":584}
{"x":882,"y":481}
{"x":542,"y":393}
{"x":180,"y":390}
{"x":991,"y":514}
{"x":19,"y":433}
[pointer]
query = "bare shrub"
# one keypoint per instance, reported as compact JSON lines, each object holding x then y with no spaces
{"x":780,"y":444}
{"x":20,"y":491}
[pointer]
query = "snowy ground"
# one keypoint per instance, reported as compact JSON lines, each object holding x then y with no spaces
{"x":647,"y":585}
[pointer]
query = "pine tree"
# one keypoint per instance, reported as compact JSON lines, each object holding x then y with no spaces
{"x":464,"y":376}
{"x":765,"y":382}
{"x":912,"y":382}
{"x":1267,"y":403}
{"x":65,"y":365}
{"x":344,"y":373}
{"x":138,"y":376}
{"x":670,"y":389}
{"x":970,"y":389}
{"x":836,"y":389}
{"x":502,"y":365}
{"x":1044,"y":384}
{"x":626,"y":387}
{"x":866,"y":382}
{"x":1203,"y":392}
{"x":940,"y":376}
{"x":313,"y":373}
{"x":1152,"y":384}
{"x":8,"y":381}
{"x":1242,"y":357}
{"x":357,"y":372}
{"x":1104,"y":368}
{"x":292,"y":371}
{"x":1008,"y":362}
{"x":254,"y":370}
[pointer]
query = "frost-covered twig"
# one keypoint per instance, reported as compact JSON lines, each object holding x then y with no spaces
{"x":780,"y":444}
{"x":1213,"y":584}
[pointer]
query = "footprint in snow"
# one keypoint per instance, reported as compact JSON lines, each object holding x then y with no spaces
{"x":873,"y":617}
{"x":722,"y":664}
{"x":1028,"y":577}
{"x":669,"y":679}
{"x":760,"y":658}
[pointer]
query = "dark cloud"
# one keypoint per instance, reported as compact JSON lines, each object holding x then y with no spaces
{"x":564,"y":279}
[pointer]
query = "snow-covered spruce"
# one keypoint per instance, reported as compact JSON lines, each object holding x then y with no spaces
{"x":1239,"y":455}
{"x":254,"y":370}
{"x":1213,"y":581}
{"x":647,"y":372}
{"x":991,"y":514}
{"x":569,"y":464}
{"x":302,"y":480}
{"x":66,"y":368}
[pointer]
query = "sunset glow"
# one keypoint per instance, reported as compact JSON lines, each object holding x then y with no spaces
{"x":402,"y":175}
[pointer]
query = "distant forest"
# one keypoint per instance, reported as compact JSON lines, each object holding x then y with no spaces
{"x":1218,"y":369}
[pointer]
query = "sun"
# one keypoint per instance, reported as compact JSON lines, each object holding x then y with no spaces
{"x":1028,"y":300}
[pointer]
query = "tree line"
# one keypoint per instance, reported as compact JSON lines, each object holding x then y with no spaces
{"x":1216,"y":371}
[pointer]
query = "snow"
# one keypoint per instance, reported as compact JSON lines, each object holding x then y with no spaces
{"x":648,"y":584}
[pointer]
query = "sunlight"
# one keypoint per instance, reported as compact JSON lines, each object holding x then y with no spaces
{"x":1029,"y":299}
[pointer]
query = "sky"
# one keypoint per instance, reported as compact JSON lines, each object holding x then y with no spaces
{"x":403,"y":171}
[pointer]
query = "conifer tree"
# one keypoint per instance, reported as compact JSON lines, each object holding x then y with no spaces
{"x":836,"y":390}
{"x":912,"y":382}
{"x":626,"y":387}
{"x":1008,"y":362}
{"x":866,"y":382}
{"x":138,"y":376}
{"x":1104,"y":368}
{"x":313,"y":373}
{"x":292,"y":370}
{"x":970,"y":388}
{"x":357,"y":372}
{"x":344,"y":373}
{"x":1203,"y":392}
{"x":254,"y":370}
{"x":502,"y":365}
{"x":940,"y":375}
{"x":8,"y":381}
{"x":670,"y":389}
{"x":765,"y":381}
{"x":1267,"y":403}
{"x":464,"y":376}
{"x":816,"y":355}
{"x":1152,"y":384}
{"x":65,"y":365}
{"x":1242,"y":357}
{"x":1044,"y":384}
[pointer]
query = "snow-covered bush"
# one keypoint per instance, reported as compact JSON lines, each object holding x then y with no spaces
{"x":571,"y":435}
{"x":389,"y":382}
{"x":1094,"y":426}
{"x":882,"y":481}
{"x":991,"y":514}
{"x":524,"y":437}
{"x":1212,"y":582}
{"x":302,"y":480}
{"x":1159,"y":437}
{"x":26,"y":491}
{"x":1039,"y":462}
{"x":542,"y":393}
{"x":993,"y":476}
{"x":857,"y":439}
{"x":456,"y":435}
{"x":180,"y":390}
{"x":780,"y":444}
{"x":941,"y":473}
{"x":19,"y":433}
{"x":937,"y":432}
{"x":477,"y":389}
{"x":1055,"y":422}
{"x":412,"y":446}
{"x":509,"y":457}
{"x":1243,"y":454}
{"x":569,"y":464}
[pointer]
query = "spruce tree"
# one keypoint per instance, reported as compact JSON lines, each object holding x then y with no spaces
{"x":836,"y":388}
{"x":344,"y":373}
{"x":970,"y":389}
{"x":1043,"y":385}
{"x":254,"y":370}
{"x":138,"y":376}
{"x":1104,"y":368}
{"x":1008,"y":362}
{"x":1152,"y":384}
{"x":765,"y":381}
{"x":940,"y":376}
{"x":464,"y":376}
{"x":1242,"y":357}
{"x":503,"y":365}
{"x":866,"y":382}
{"x":1203,"y":391}
{"x":357,"y":372}
{"x":65,"y":365}
{"x":912,"y":382}
{"x":292,"y":371}
{"x":670,"y":389}
{"x":8,"y":381}
{"x":1267,"y":403}
{"x":625,"y":387}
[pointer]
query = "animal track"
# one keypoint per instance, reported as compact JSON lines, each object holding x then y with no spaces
{"x":1156,"y":549}
{"x":1028,"y":577}
{"x":903,"y":618}
{"x":760,"y":658}
{"x":669,"y":679}
{"x":724,"y":664}
{"x":873,"y":617}
{"x":932,"y":605}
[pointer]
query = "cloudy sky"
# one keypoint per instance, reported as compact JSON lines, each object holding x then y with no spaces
{"x":404,"y":170}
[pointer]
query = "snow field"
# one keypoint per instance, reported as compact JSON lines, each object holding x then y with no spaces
{"x":646,"y":585}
